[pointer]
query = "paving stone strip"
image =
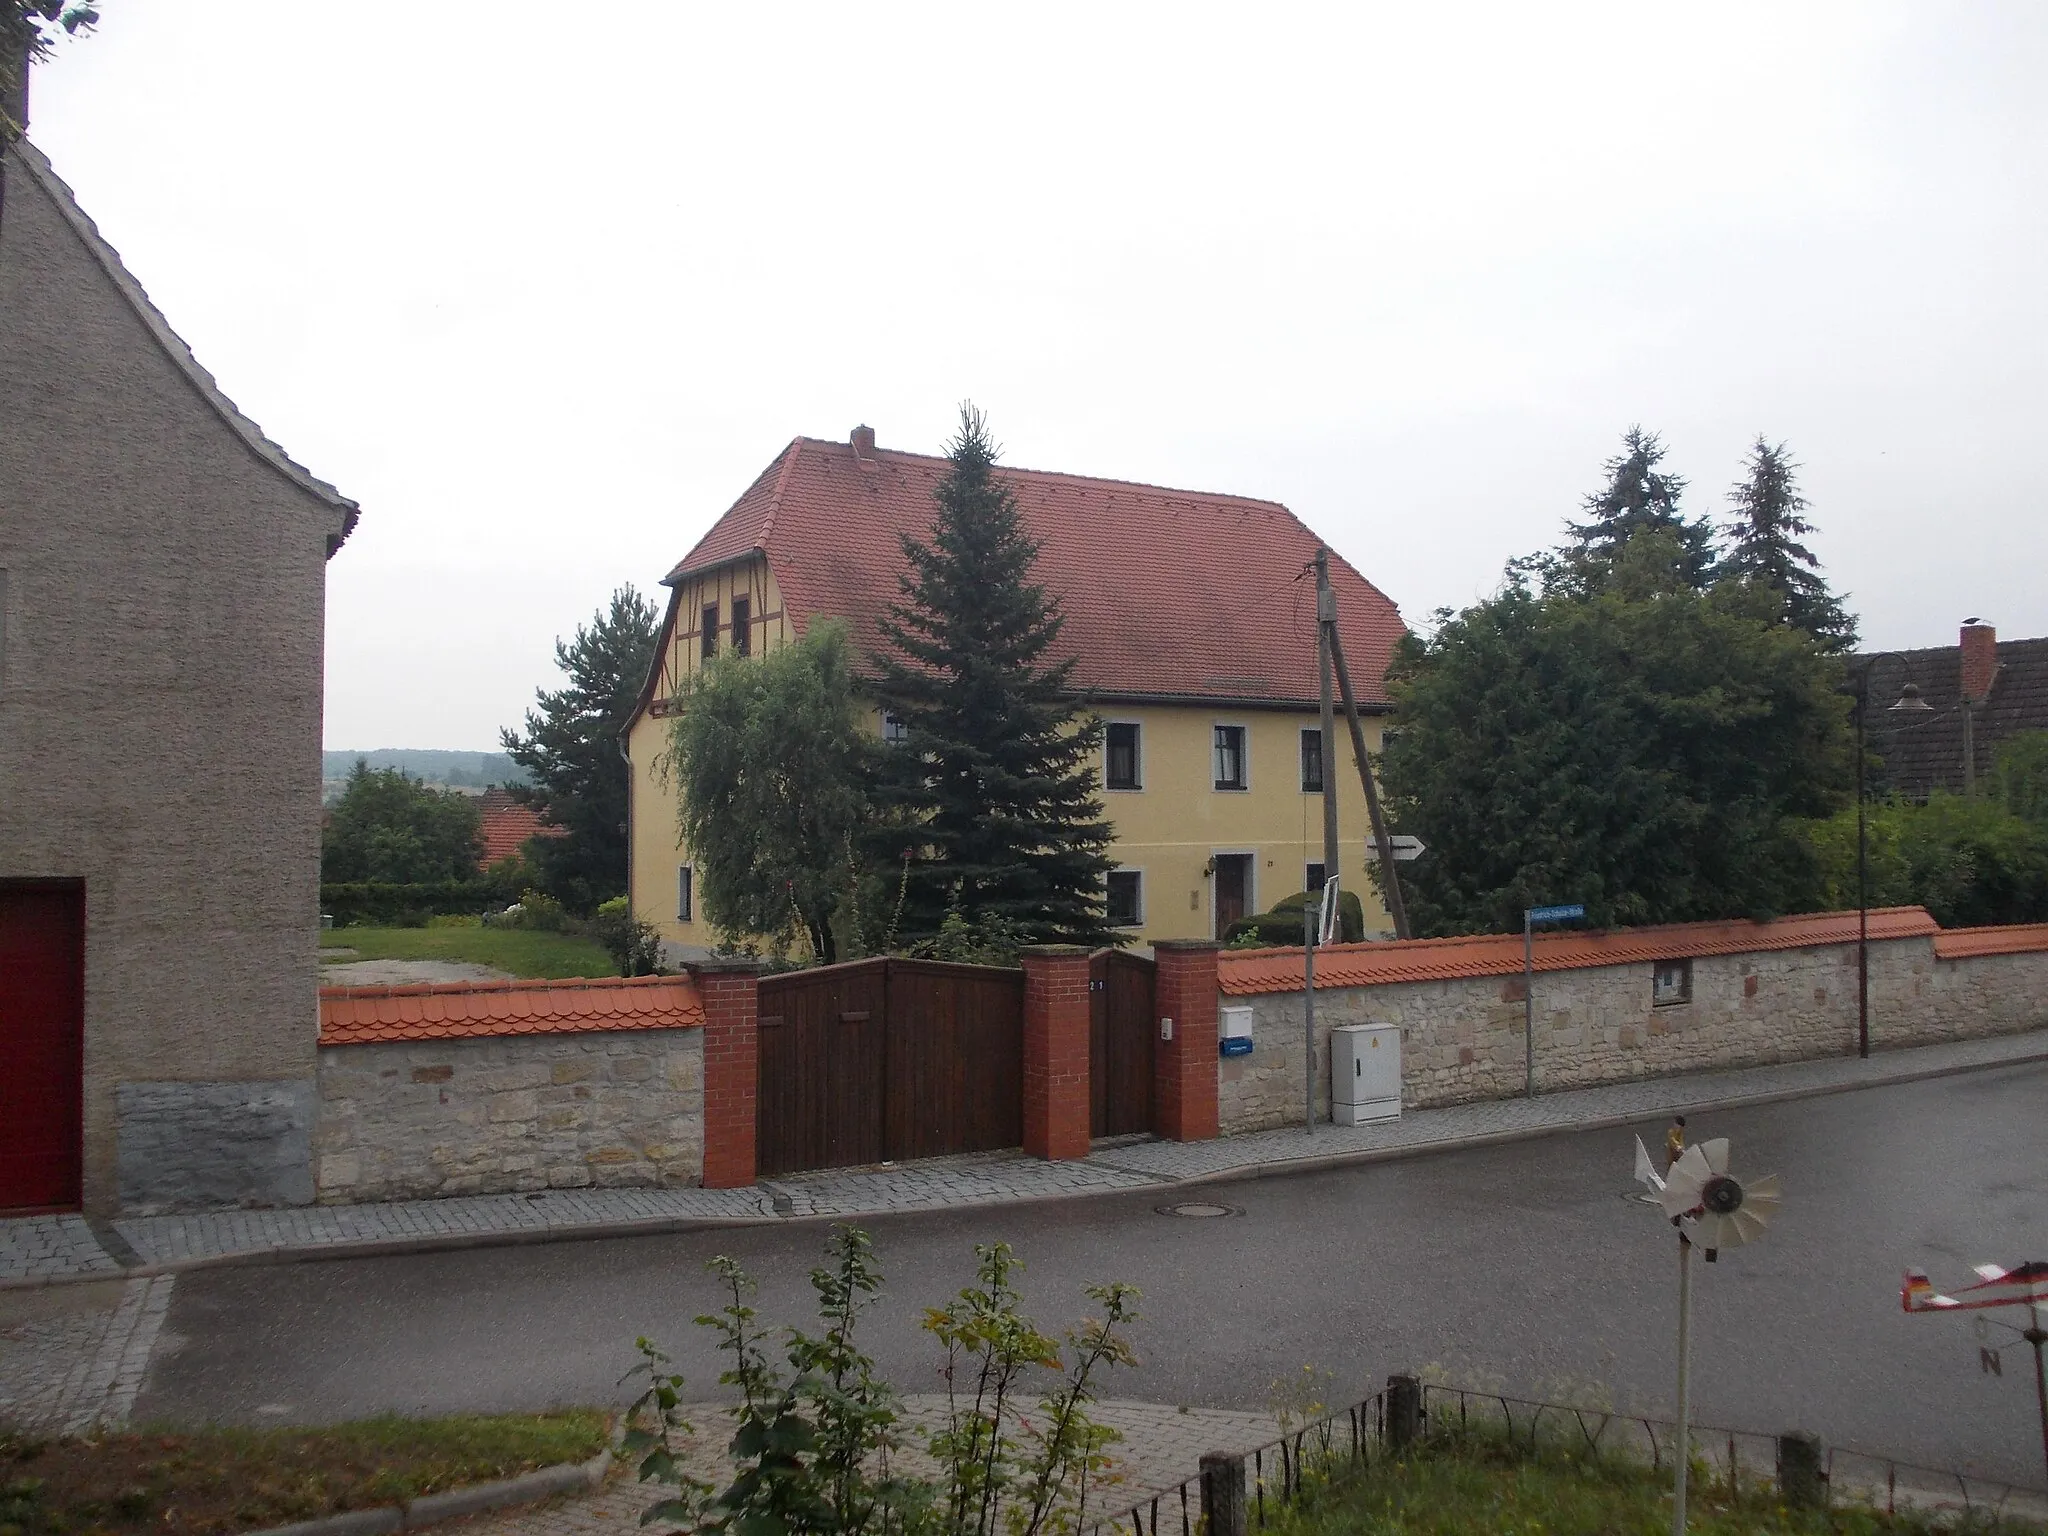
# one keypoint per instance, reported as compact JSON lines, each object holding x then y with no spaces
{"x":42,"y":1250}
{"x":78,"y":1370}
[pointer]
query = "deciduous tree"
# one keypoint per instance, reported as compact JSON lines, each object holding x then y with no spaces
{"x":770,"y":762}
{"x":392,"y":829}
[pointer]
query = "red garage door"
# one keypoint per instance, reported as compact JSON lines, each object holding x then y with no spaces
{"x":42,"y":1045}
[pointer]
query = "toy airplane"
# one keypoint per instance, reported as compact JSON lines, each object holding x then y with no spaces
{"x":2024,"y":1285}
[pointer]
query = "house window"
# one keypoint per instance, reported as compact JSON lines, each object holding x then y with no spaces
{"x":1671,"y":982}
{"x":1230,"y":764}
{"x":685,"y":878}
{"x":1126,"y":898}
{"x":743,"y":626}
{"x":894,"y":731}
{"x":1121,"y":744}
{"x":1312,"y":878}
{"x":1312,"y":762}
{"x":707,"y":645}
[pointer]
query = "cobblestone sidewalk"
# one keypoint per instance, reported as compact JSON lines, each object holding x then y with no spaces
{"x":78,"y":1365}
{"x":43,"y":1249}
{"x":1161,"y":1448}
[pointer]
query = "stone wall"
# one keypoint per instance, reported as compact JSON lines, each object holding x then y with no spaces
{"x":1462,"y":1039}
{"x":503,"y":1113}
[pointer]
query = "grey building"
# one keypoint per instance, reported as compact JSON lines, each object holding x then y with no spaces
{"x":162,"y":596}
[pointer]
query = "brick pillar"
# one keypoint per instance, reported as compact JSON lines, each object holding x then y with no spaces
{"x":731,"y":990}
{"x":1184,"y":1068}
{"x":1056,"y":1019}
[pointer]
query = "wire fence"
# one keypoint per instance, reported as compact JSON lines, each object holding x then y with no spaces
{"x":1312,"y":1455}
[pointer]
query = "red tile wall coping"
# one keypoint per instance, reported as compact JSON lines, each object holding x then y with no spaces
{"x":463,"y":1009}
{"x":1247,"y":972}
{"x":2012,"y":939}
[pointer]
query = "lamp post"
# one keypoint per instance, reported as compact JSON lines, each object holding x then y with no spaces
{"x":1909,"y":703}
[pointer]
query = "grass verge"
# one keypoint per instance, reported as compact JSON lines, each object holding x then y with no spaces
{"x":221,"y":1480}
{"x":1455,"y":1484}
{"x":522,"y":951}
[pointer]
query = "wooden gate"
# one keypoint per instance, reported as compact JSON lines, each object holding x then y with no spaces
{"x":1121,"y":1027}
{"x":881,"y":1060}
{"x":42,"y":1046}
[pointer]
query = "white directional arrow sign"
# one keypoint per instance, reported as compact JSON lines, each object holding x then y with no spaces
{"x":1405,"y":848}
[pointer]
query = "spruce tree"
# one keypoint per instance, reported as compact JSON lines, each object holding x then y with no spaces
{"x":1637,"y":498}
{"x":1764,"y":548}
{"x":996,"y":764}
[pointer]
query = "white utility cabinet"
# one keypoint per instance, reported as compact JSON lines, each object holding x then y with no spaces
{"x":1365,"y":1073}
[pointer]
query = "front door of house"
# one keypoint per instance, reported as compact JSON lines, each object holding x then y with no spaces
{"x":42,"y":1045}
{"x":1233,"y":888}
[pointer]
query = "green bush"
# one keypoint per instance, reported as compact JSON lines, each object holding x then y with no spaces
{"x":380,"y":905}
{"x":536,"y":911}
{"x":1969,"y":862}
{"x":635,"y":946}
{"x":1284,"y":925}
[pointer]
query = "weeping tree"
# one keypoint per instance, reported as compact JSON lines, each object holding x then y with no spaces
{"x":770,"y":759}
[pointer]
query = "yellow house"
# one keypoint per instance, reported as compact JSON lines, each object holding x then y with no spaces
{"x":1191,"y":618}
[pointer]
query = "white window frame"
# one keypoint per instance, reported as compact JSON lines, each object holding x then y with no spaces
{"x":1131,"y":869}
{"x":1244,"y":756}
{"x":1137,"y":759}
{"x":686,"y":893}
{"x":903,"y":731}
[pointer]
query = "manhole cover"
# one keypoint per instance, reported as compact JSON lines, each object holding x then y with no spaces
{"x":1199,"y":1209}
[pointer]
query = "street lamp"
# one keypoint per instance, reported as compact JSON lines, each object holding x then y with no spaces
{"x":1910,"y":703}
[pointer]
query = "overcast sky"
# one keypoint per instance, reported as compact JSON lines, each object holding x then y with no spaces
{"x":544,"y":287}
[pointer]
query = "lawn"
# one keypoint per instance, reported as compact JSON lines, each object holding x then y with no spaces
{"x":521,"y":951}
{"x":1455,"y":1485}
{"x":216,"y":1480}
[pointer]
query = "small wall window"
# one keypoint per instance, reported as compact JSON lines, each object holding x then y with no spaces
{"x":1312,"y":878}
{"x":685,"y":879}
{"x":1126,"y":898}
{"x":707,"y":644}
{"x":1671,"y":982}
{"x":1230,"y":765}
{"x":1120,"y":744}
{"x":1312,"y":762}
{"x":743,"y":626}
{"x":894,"y":731}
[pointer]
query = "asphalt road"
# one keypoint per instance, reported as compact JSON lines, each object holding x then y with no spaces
{"x":1524,"y":1267}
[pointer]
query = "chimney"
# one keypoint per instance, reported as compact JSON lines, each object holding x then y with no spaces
{"x":864,"y":443}
{"x":1980,"y":661}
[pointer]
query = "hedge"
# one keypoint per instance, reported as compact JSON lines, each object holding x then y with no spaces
{"x":407,"y":906}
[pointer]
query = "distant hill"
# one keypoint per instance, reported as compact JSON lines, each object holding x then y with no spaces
{"x":457,"y":770}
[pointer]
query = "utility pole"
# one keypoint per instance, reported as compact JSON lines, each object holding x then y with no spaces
{"x":1326,"y":602}
{"x":1326,"y":623}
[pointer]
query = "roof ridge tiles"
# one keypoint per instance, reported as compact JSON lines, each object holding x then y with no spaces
{"x":1228,"y":498}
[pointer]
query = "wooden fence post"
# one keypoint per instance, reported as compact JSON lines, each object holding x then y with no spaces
{"x":1223,"y":1494}
{"x":1404,"y":1411}
{"x":1802,"y":1470}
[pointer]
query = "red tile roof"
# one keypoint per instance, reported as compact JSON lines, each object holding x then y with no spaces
{"x":507,"y":825}
{"x":466,"y":1009}
{"x":2014,"y":939}
{"x":1165,"y":593}
{"x":1243,"y":972}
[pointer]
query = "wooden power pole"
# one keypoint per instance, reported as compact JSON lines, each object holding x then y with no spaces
{"x":1383,"y":841}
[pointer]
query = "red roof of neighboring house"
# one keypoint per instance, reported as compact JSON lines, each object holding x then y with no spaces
{"x":465,"y":1009}
{"x":1165,"y":593}
{"x":1242,"y":972}
{"x":2011,"y":939}
{"x":507,"y":825}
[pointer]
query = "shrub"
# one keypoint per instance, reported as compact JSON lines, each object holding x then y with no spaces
{"x":402,"y":906}
{"x":1284,"y":925}
{"x":635,"y":946}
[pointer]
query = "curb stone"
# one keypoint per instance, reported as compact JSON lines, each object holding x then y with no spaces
{"x":432,"y":1508}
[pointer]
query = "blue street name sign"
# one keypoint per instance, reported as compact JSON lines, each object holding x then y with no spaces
{"x":1555,"y":914}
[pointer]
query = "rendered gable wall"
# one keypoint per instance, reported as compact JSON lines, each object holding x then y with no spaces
{"x":160,"y":718}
